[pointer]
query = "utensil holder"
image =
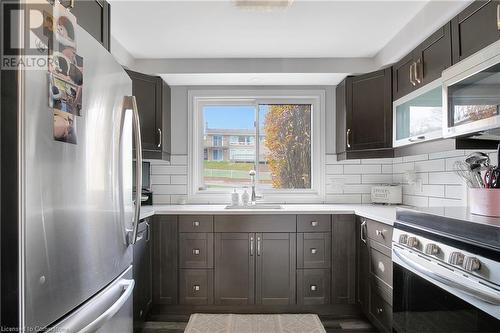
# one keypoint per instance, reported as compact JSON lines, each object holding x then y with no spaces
{"x":485,"y":201}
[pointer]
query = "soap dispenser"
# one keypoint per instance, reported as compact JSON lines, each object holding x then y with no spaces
{"x":235,"y":198}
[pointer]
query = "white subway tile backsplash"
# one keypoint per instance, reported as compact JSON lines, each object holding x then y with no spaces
{"x":387,"y":168}
{"x":348,"y":181}
{"x":334,"y":169}
{"x":446,"y":154}
{"x":363,"y":189}
{"x":446,"y":178}
{"x":415,"y":158}
{"x":160,"y":179}
{"x":403,"y":167}
{"x":376,"y":179}
{"x":438,"y":202}
{"x":178,"y":179}
{"x":413,"y":200}
{"x":169,"y":189}
{"x":377,"y":161}
{"x":363,"y":169}
{"x":455,"y":192}
{"x":430,"y":166}
{"x":161,"y":169}
{"x":343,"y":198}
{"x":161,"y":199}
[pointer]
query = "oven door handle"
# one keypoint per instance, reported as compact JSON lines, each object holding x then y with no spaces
{"x":485,"y":296}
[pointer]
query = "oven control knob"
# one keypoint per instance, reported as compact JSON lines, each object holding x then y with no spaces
{"x":431,"y":249}
{"x":471,"y":264}
{"x":412,"y":242}
{"x":456,"y":258}
{"x":403,"y":239}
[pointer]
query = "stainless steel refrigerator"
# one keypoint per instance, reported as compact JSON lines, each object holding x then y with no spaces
{"x":68,"y":216}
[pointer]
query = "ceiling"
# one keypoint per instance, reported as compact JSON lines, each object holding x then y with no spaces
{"x":220,"y":29}
{"x":254,"y":79}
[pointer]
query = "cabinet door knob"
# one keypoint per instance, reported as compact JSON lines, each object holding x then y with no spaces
{"x":314,"y":223}
{"x":313,"y":251}
{"x":196,"y":252}
{"x":314,"y":287}
{"x":380,"y":310}
{"x":196,"y":224}
{"x":196,"y":287}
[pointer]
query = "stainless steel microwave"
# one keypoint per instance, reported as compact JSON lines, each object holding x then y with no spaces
{"x":471,"y":94}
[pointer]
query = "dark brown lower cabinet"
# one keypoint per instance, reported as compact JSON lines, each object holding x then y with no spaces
{"x":165,"y":259}
{"x":313,"y":286}
{"x":235,"y":268}
{"x":255,"y":268}
{"x":363,"y":265}
{"x":313,"y":250}
{"x":275,"y":268}
{"x":142,"y":272}
{"x":196,"y":287}
{"x":343,"y":259}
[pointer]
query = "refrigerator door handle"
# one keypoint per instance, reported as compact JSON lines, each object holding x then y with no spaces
{"x":128,"y":287}
{"x":131,"y":103}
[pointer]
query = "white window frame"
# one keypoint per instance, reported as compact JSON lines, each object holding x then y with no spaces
{"x":197,"y":99}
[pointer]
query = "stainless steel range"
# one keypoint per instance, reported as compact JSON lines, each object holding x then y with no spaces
{"x":446,"y":272}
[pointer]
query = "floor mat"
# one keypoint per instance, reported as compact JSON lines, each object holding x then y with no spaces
{"x":259,"y":323}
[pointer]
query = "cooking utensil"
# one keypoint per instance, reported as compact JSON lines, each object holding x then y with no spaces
{"x":463,"y":170}
{"x":478,"y":162}
{"x":495,"y":173}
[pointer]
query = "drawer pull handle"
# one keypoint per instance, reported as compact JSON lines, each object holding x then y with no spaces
{"x":313,"y":251}
{"x":314,"y":223}
{"x":380,"y":233}
{"x":196,"y":252}
{"x":196,"y":224}
{"x":380,"y":310}
{"x":498,"y":17}
{"x":314,"y":287}
{"x":196,"y":287}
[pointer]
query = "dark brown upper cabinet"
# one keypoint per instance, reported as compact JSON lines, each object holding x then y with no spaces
{"x":364,"y":116}
{"x":424,"y":64}
{"x":153,"y":101}
{"x":93,"y":16}
{"x":474,"y":28}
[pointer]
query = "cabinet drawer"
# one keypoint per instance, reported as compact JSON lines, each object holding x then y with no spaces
{"x":381,"y":311}
{"x":381,"y":266}
{"x":379,"y":232}
{"x":313,"y":286}
{"x":255,"y":223}
{"x":196,"y":250}
{"x":196,"y":223}
{"x":313,"y":223}
{"x":314,"y":250}
{"x":196,"y":286}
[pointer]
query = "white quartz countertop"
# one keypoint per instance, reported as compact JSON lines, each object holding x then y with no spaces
{"x":384,"y":214}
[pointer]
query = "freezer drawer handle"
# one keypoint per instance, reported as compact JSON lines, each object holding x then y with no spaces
{"x":128,"y":287}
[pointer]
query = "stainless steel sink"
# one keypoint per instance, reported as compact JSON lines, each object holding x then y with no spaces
{"x":257,"y":206}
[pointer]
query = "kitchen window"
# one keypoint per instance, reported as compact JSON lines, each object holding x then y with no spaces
{"x":279,"y":137}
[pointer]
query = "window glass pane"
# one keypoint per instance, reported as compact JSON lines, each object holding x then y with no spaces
{"x":285,"y":146}
{"x":229,"y":146}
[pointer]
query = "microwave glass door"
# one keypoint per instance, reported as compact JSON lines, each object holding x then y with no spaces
{"x":420,"y":306}
{"x":419,"y":118}
{"x":475,"y":98}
